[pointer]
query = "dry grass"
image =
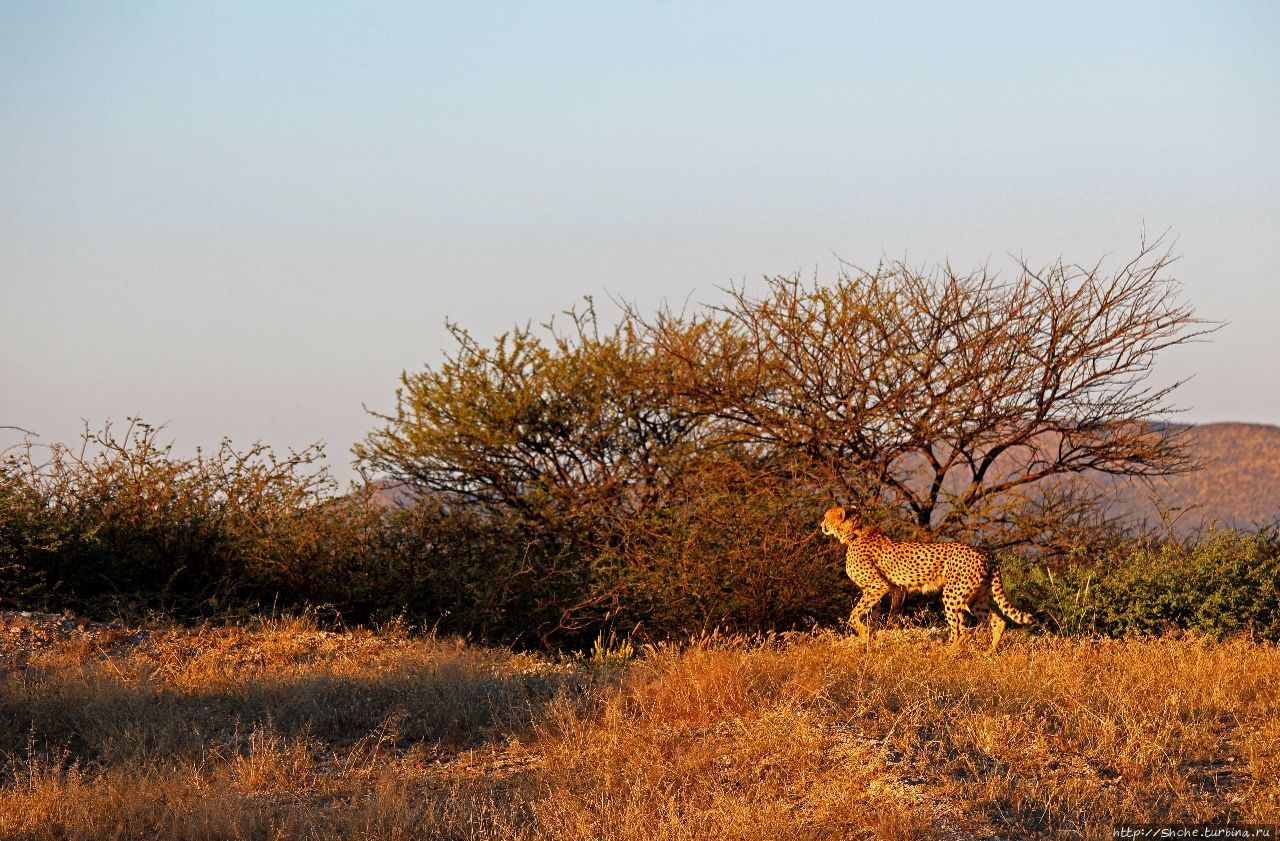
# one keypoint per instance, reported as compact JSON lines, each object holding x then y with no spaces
{"x":289,"y":732}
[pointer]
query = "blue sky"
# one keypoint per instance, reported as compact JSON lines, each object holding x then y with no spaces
{"x":247,"y":219}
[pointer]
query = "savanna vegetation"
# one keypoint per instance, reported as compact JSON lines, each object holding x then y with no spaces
{"x":286,"y":731}
{"x":662,"y":476}
{"x":603,"y":609}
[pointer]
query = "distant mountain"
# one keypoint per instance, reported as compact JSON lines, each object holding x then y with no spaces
{"x":1238,"y":486}
{"x":394,"y":494}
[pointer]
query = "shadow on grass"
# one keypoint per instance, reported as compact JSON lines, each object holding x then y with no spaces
{"x":96,"y":714}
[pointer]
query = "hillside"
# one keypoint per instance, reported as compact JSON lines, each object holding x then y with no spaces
{"x":1239,"y":485}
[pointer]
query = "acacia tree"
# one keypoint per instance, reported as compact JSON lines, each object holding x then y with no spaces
{"x":964,"y":400}
{"x":557,"y":426}
{"x":556,"y":439}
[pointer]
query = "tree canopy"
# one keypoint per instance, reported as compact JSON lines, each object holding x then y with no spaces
{"x":964,"y":401}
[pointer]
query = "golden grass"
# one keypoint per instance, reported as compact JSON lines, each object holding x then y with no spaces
{"x":289,"y":732}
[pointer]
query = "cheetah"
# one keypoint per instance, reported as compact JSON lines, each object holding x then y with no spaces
{"x":968,"y":577}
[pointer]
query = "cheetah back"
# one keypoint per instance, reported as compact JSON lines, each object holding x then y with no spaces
{"x":920,"y":567}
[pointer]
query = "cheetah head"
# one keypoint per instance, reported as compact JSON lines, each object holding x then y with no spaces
{"x":836,"y":523}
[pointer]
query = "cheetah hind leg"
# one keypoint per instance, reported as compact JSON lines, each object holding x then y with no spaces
{"x":982,"y":611}
{"x":954,"y":603}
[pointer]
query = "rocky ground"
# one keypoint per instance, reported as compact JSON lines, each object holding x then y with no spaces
{"x":25,"y":633}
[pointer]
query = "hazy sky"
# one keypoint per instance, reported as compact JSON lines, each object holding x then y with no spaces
{"x":247,"y":219}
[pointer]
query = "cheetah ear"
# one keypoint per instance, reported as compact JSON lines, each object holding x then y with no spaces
{"x":840,"y":515}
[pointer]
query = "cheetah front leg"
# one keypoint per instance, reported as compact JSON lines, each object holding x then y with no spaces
{"x":860,"y":618}
{"x":897,"y":595}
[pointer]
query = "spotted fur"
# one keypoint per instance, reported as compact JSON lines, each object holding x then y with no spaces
{"x":967,"y":577}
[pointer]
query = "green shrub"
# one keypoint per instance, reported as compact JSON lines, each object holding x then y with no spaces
{"x":1226,"y":583}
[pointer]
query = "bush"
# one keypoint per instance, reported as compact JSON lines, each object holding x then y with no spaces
{"x":1226,"y":583}
{"x":483,"y":574}
{"x":122,"y":526}
{"x":734,"y":547}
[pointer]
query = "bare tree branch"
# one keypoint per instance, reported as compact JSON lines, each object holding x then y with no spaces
{"x":940,"y":393}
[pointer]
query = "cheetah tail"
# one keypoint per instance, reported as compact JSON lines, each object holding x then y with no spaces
{"x":1006,"y":607}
